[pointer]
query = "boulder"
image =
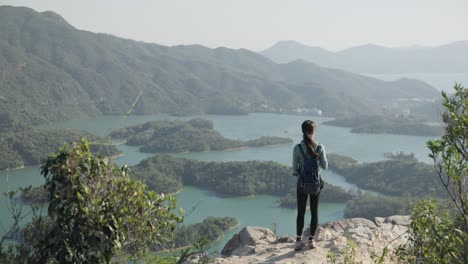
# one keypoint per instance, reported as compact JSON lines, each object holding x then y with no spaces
{"x":233,"y":244}
{"x":403,"y":220}
{"x":360,"y":234}
{"x":248,"y":236}
{"x":341,"y":226}
{"x":243,"y":251}
{"x":379,"y":221}
{"x":322,"y":234}
{"x":253,"y":235}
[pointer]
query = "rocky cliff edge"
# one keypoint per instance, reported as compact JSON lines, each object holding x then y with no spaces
{"x":260,"y":245}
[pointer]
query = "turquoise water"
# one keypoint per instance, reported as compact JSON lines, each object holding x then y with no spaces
{"x":260,"y":210}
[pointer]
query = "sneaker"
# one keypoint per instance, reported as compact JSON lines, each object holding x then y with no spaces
{"x":299,"y":245}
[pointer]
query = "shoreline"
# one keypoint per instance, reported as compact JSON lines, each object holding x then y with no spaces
{"x":117,"y":156}
{"x":265,"y":146}
{"x":14,"y":169}
{"x":174,"y":193}
{"x":352,"y":129}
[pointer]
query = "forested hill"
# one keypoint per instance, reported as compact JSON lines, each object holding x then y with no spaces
{"x":51,"y":70}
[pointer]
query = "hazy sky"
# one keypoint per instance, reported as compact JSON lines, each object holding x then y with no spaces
{"x":257,"y":24}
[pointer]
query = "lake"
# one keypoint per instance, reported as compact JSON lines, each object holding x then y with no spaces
{"x":259,"y":210}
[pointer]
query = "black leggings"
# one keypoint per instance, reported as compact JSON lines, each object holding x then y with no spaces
{"x":301,"y":208}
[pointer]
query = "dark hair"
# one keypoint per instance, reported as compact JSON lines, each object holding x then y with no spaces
{"x":308,"y":127}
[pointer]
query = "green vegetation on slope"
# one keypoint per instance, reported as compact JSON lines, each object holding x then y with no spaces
{"x":29,"y":146}
{"x":194,"y":135}
{"x":382,"y":124}
{"x":52,"y":71}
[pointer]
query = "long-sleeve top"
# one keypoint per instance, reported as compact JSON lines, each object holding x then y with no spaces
{"x":298,"y":160}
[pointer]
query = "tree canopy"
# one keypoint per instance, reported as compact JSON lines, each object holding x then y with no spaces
{"x":95,"y":212}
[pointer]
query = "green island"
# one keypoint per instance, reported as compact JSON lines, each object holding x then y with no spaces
{"x":391,"y":125}
{"x":370,"y":206}
{"x":193,"y":136}
{"x":401,"y":179}
{"x":167,"y":174}
{"x":397,"y":175}
{"x":29,"y":146}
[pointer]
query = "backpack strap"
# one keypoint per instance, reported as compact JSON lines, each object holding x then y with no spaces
{"x":302,"y":151}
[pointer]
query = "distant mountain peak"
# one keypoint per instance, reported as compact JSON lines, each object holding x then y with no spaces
{"x":293,"y":44}
{"x":373,"y":58}
{"x":366,"y":47}
{"x":21,"y":11}
{"x":56,"y":17}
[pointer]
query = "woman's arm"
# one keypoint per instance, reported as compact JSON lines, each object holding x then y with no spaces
{"x":295,"y":162}
{"x":323,"y":158}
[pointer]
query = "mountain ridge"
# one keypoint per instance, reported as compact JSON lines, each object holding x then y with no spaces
{"x":52,"y":71}
{"x":438,"y":59}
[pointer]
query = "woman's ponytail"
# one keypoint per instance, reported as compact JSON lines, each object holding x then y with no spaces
{"x":308,"y":127}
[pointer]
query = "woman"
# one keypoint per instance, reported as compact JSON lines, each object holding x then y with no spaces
{"x":308,"y":148}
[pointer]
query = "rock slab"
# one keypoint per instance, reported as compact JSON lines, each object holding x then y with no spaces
{"x":260,"y":245}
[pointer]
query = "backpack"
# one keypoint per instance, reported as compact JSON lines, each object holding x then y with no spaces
{"x":309,"y":181}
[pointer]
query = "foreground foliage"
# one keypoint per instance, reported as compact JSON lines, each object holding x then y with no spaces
{"x":439,"y":233}
{"x":96,"y":213}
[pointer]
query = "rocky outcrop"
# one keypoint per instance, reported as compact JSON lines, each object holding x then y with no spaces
{"x":244,"y":243}
{"x":260,"y":245}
